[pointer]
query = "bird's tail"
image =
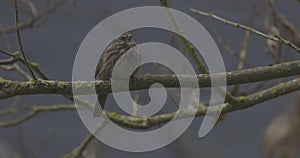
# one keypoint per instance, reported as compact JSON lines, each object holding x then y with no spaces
{"x":101,"y":100}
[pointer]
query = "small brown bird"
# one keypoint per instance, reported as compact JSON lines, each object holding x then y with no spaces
{"x":109,"y":58}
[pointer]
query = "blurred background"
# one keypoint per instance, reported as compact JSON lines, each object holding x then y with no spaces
{"x":53,"y":42}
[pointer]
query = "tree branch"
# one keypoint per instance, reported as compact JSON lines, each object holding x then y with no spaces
{"x":19,"y":40}
{"x":30,"y":23}
{"x":148,"y":122}
{"x":34,"y":111}
{"x":244,"y":102}
{"x":273,"y":38}
{"x":10,"y":88}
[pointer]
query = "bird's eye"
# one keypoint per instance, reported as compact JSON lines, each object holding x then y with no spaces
{"x":126,"y":37}
{"x":123,"y":37}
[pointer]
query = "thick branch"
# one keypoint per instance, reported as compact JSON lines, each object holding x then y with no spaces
{"x":12,"y":88}
{"x":148,"y":122}
{"x":244,"y":102}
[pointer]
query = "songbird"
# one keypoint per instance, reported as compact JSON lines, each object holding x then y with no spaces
{"x":122,"y":45}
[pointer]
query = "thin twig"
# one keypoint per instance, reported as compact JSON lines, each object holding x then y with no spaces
{"x":22,"y":8}
{"x":42,"y":144}
{"x":7,"y":67}
{"x":30,"y":23}
{"x":7,"y":43}
{"x":11,"y":109}
{"x":22,"y":72}
{"x":243,"y":52}
{"x":228,"y":48}
{"x":277,"y":39}
{"x":190,"y":48}
{"x":76,"y":152}
{"x":7,"y":53}
{"x":34,"y":111}
{"x":32,"y":7}
{"x":15,"y":56}
{"x":8,"y":61}
{"x":17,"y":68}
{"x":201,"y":66}
{"x":18,"y":120}
{"x":242,"y":56}
{"x":19,"y":40}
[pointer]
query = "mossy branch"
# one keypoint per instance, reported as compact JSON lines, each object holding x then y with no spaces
{"x":10,"y":88}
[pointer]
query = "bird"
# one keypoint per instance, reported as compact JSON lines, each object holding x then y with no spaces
{"x":122,"y":45}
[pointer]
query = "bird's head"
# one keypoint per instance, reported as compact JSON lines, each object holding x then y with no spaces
{"x":127,"y":38}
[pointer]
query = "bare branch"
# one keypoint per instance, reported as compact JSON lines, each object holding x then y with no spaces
{"x":244,"y":102}
{"x":19,"y":39}
{"x":12,"y":88}
{"x":34,"y":110}
{"x":76,"y":152}
{"x":8,"y":61}
{"x":42,"y":144}
{"x":30,"y":23}
{"x":274,"y":38}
